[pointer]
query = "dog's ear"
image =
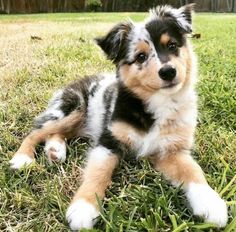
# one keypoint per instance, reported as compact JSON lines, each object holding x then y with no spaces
{"x":183,"y":16}
{"x":114,"y":43}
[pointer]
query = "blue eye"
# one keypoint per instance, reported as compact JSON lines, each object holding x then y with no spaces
{"x":141,"y":57}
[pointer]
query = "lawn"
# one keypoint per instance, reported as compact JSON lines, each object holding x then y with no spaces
{"x":139,"y":199}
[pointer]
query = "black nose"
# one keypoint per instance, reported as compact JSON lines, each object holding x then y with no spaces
{"x":167,"y":73}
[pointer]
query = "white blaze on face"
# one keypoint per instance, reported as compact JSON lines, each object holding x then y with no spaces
{"x":138,"y":34}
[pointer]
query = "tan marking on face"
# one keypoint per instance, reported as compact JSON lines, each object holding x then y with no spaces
{"x":165,"y":38}
{"x":97,"y":177}
{"x":182,"y":63}
{"x":189,"y":61}
{"x":123,"y":132}
{"x":142,"y":82}
{"x":179,"y":168}
{"x":142,"y":47}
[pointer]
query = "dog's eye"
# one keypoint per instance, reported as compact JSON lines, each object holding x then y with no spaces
{"x":141,"y":57}
{"x":172,"y":46}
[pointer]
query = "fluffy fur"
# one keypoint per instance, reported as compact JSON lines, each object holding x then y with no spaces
{"x":148,"y":108}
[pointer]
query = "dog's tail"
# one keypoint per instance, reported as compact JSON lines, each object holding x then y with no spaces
{"x":66,"y":126}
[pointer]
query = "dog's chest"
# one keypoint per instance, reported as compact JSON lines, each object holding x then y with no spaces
{"x":131,"y":110}
{"x":146,"y":128}
{"x":157,"y":138}
{"x":171,"y":124}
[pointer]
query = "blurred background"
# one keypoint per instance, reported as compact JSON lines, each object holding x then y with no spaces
{"x":53,"y":6}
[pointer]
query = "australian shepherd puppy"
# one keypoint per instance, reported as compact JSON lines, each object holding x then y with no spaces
{"x":148,"y":108}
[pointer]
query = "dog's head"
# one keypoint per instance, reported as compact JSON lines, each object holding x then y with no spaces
{"x":152,"y":56}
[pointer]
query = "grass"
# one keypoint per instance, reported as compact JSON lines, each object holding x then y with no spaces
{"x":139,"y":199}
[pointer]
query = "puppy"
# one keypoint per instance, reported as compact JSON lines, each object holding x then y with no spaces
{"x":147,"y":109}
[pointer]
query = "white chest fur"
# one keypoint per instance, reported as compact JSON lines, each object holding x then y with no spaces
{"x":175,"y":120}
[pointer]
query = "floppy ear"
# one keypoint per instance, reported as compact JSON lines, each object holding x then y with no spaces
{"x":114,"y":43}
{"x":184,"y":17}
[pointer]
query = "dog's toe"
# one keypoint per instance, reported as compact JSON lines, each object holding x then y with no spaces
{"x":208,"y":204}
{"x":55,"y":150}
{"x":81,"y":214}
{"x":20,"y":160}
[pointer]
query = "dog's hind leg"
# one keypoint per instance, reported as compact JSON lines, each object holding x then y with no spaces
{"x":62,"y":119}
{"x":25,"y":154}
{"x":63,"y":128}
{"x":55,"y":148}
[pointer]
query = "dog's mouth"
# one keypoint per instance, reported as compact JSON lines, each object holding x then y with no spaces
{"x":169,"y":85}
{"x":166,"y":85}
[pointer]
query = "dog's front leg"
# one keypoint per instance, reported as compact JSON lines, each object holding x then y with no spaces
{"x":97,"y":176}
{"x":180,"y":168}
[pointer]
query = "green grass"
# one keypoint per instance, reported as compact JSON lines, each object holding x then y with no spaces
{"x":139,"y":199}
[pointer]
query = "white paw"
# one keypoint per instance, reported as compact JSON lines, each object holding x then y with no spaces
{"x":207,"y":203}
{"x":81,"y":214}
{"x":55,"y":150}
{"x":19,"y":160}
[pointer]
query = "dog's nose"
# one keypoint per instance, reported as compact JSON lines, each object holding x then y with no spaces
{"x":167,"y":73}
